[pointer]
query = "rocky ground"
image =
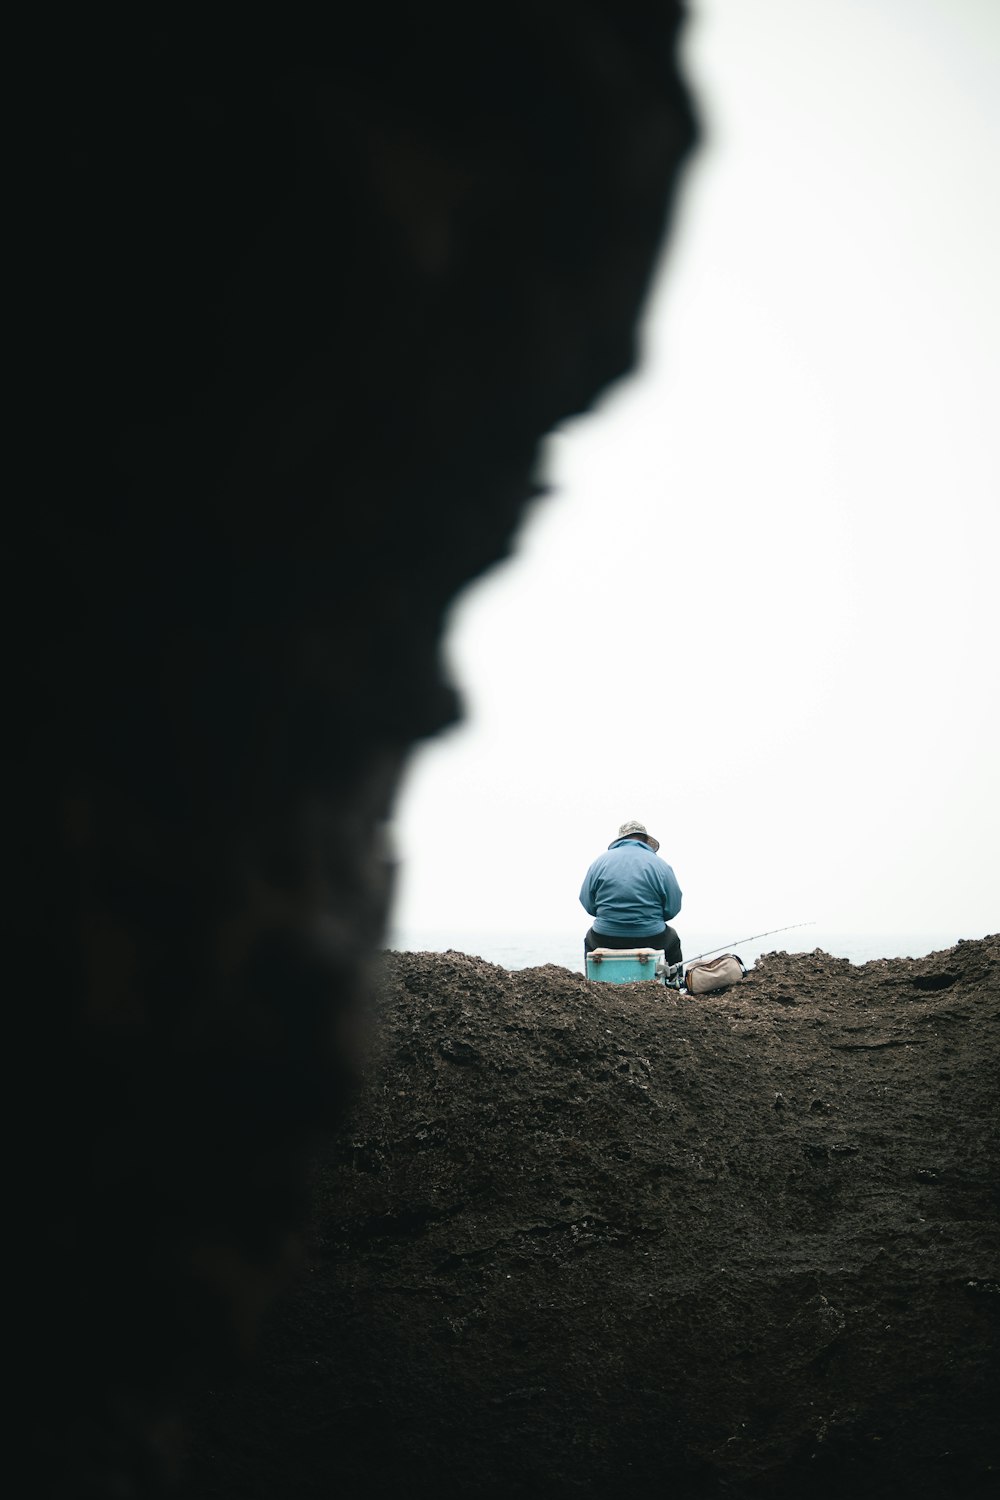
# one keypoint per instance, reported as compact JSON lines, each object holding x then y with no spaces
{"x":586,"y":1239}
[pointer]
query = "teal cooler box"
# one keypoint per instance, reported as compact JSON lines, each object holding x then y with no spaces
{"x":623,"y":965}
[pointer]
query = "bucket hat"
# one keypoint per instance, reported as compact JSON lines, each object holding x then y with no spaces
{"x":632,"y":829}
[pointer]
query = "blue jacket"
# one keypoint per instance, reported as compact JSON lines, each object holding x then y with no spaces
{"x":630,"y":890}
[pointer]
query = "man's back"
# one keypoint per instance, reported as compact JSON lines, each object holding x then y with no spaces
{"x":629,"y":889}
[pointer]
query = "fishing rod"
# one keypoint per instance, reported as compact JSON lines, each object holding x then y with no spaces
{"x":751,"y":939}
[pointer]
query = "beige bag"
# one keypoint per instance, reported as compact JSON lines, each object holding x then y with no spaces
{"x":714,"y":974}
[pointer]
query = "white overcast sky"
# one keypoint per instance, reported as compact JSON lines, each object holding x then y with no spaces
{"x":759,"y":610}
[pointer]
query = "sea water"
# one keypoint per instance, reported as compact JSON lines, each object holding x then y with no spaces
{"x":527,"y":950}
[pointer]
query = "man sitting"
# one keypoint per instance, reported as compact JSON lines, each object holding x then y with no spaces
{"x":631,"y":894}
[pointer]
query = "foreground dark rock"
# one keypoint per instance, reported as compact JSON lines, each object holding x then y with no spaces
{"x":586,"y":1239}
{"x":303,"y":291}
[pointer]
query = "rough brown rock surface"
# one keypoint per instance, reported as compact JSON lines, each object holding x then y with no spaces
{"x":585,"y":1239}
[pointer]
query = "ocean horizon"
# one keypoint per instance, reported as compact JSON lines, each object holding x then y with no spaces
{"x":527,"y":950}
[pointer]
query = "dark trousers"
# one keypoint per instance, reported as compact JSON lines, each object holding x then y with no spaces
{"x":667,"y":940}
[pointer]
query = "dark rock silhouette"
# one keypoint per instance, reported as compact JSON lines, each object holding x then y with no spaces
{"x":303,"y":298}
